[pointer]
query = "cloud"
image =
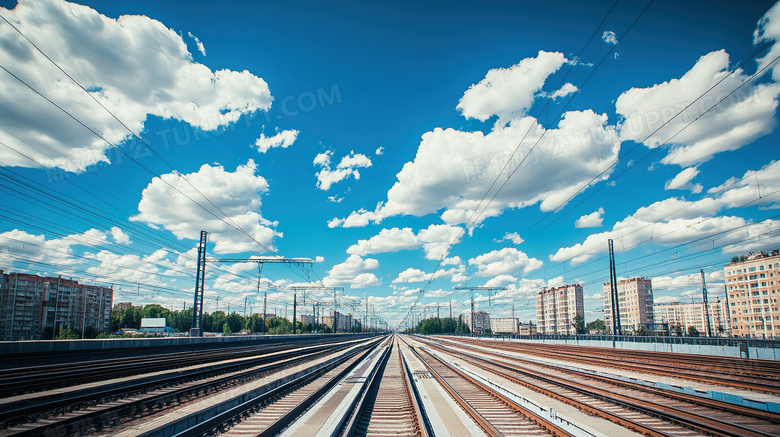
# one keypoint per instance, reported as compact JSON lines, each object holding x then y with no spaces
{"x":152,"y":75}
{"x":198,"y":43}
{"x":379,"y":151}
{"x":683,"y":181}
{"x":355,"y":272}
{"x":119,"y":236}
{"x":514,"y":237}
{"x":505,"y":261}
{"x":113,"y":267}
{"x":500,"y":281}
{"x":237,"y":194}
{"x":666,"y":299}
{"x":388,"y":240}
{"x":453,"y":170}
{"x":412,"y":275}
{"x":564,"y":91}
{"x":768,"y":29}
{"x":283,"y":139}
{"x":739,"y":120}
{"x":17,"y":246}
{"x":609,"y":37}
{"x":507,"y":92}
{"x":437,"y":239}
{"x":592,"y":220}
{"x":416,"y":275}
{"x":346,"y":168}
{"x":675,"y":221}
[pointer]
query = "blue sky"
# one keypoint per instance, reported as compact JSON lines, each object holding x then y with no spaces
{"x":367,"y":135}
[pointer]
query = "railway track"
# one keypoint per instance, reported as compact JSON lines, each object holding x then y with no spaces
{"x":391,"y":404}
{"x":756,"y":375}
{"x":363,"y":387}
{"x":492,"y":410}
{"x":136,"y":399}
{"x":638,"y":407}
{"x":17,"y":381}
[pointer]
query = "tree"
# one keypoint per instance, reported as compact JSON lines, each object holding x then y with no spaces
{"x":692,"y":331}
{"x":596,"y":325}
{"x":461,"y":327}
{"x":579,"y":324}
{"x":65,"y":333}
{"x":226,"y":329}
{"x":678,"y":330}
{"x":643,"y":331}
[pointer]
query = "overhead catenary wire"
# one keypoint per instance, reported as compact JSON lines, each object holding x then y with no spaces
{"x":135,"y":135}
{"x":473,"y":218}
{"x":121,"y":151}
{"x":612,"y":179}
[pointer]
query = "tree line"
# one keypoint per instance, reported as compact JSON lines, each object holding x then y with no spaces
{"x":218,"y":321}
{"x":444,"y":325}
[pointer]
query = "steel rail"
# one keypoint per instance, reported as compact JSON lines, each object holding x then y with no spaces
{"x":105,"y":416}
{"x":487,"y":427}
{"x":219,"y":419}
{"x":697,"y":422}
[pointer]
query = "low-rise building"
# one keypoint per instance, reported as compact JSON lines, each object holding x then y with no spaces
{"x":481,"y":321}
{"x":503,"y":325}
{"x":527,"y":329}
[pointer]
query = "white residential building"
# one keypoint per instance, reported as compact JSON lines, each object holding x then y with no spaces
{"x":557,"y":307}
{"x":635,"y":304}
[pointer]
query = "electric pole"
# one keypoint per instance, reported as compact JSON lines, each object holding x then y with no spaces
{"x":265,"y":303}
{"x":706,"y":305}
{"x":616,"y":330}
{"x":200,"y":280}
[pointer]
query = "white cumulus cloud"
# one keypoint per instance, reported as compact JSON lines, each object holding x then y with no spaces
{"x":152,"y":75}
{"x":355,"y":271}
{"x":237,"y":194}
{"x":283,"y":139}
{"x":592,"y":220}
{"x":609,"y":37}
{"x":348,"y":166}
{"x":737,"y":121}
{"x":507,"y":92}
{"x":505,"y":261}
{"x":682,"y":181}
{"x":388,"y":240}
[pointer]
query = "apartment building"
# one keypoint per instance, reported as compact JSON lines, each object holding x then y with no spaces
{"x":34,"y":307}
{"x":306,"y":318}
{"x":339,"y":322}
{"x":557,"y":307}
{"x":635,"y":304}
{"x":683,"y":315}
{"x":752,"y":288}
